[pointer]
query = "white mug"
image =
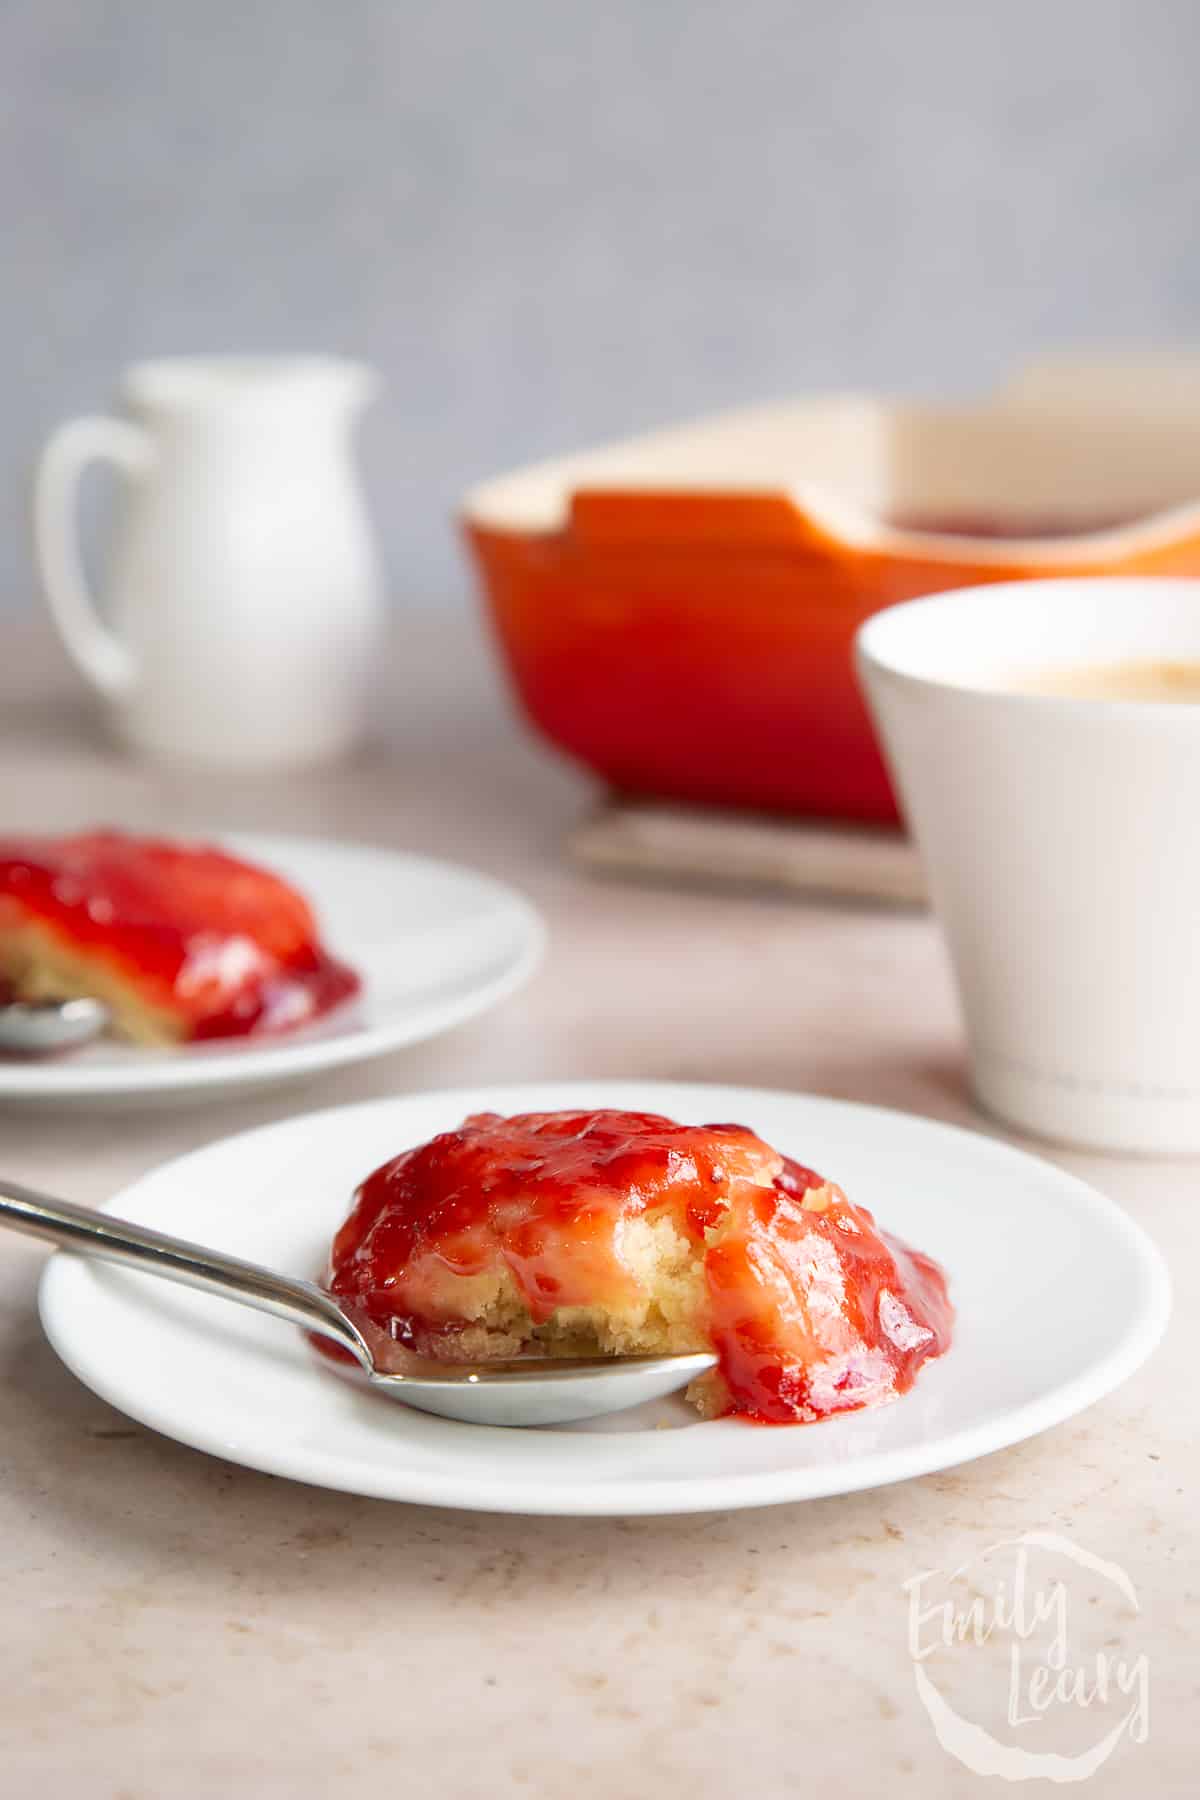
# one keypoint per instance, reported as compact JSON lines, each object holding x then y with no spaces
{"x":1061,"y":838}
{"x":243,"y":615}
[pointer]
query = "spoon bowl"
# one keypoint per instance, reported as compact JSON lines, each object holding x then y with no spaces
{"x":49,"y":1027}
{"x":534,"y":1390}
{"x":541,"y":1390}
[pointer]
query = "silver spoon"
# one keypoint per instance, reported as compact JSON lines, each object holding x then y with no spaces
{"x":526,"y":1391}
{"x":44,"y":1027}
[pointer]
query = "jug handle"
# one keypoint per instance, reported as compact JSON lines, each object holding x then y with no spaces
{"x":96,"y":650}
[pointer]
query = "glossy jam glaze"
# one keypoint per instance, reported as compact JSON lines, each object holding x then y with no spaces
{"x":223,"y":949}
{"x":811,"y":1309}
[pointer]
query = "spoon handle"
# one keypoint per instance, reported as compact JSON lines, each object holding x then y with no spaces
{"x":175,"y":1259}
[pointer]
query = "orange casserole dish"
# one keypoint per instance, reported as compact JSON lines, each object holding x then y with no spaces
{"x":677,"y":612}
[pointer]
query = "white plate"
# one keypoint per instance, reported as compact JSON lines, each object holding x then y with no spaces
{"x":434,"y":943}
{"x":1059,"y":1296}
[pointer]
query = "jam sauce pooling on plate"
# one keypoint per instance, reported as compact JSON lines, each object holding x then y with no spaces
{"x":223,"y":947}
{"x":810,"y":1308}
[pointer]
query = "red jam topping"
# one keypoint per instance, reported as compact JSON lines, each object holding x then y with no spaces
{"x":221,"y":947}
{"x":811,"y":1309}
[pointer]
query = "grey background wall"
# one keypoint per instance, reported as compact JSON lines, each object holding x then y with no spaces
{"x":550,"y":221}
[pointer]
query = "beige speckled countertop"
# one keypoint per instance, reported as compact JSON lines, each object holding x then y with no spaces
{"x":177,"y":1627}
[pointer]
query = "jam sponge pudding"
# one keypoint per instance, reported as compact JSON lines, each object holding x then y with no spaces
{"x":569,"y":1232}
{"x":180,"y":941}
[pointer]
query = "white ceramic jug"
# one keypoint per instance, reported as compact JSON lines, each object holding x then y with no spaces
{"x":243,"y":610}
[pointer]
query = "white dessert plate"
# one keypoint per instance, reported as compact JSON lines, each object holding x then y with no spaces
{"x":1059,"y":1295}
{"x":434,"y":943}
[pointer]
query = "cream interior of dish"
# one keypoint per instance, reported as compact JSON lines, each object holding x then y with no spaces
{"x":1083,"y":449}
{"x":37,"y":965}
